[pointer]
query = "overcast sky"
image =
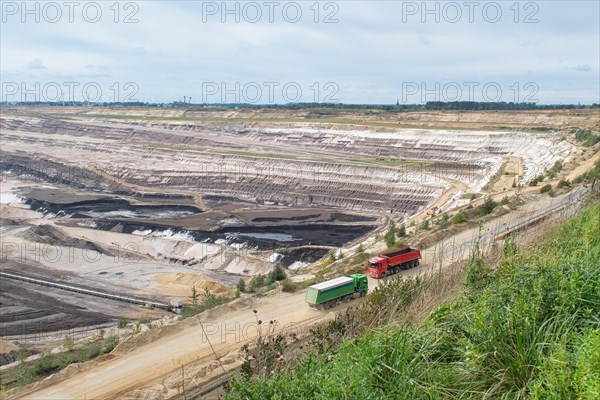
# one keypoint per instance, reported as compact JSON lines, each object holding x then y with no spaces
{"x":269,"y":52}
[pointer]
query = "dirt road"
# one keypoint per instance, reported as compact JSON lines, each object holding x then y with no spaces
{"x":150,"y":362}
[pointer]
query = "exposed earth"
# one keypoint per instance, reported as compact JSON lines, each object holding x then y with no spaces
{"x":152,"y":202}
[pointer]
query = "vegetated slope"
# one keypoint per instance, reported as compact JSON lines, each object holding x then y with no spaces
{"x":529,"y":328}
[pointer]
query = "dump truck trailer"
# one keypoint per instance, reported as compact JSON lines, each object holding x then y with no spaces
{"x":328,"y":294}
{"x":391,"y":262}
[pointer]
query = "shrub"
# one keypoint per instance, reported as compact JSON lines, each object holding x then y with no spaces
{"x":390,"y":236}
{"x":22,"y":353}
{"x":278,"y":274}
{"x":69,"y":344}
{"x":110,"y":343}
{"x":536,"y":180}
{"x":546,"y":188}
{"x":194,"y":296}
{"x":487,"y":207}
{"x":331,"y":259}
{"x":49,"y":363}
{"x":258,"y":281}
{"x":444,"y":221}
{"x":241,"y":285}
{"x":288,"y":286}
{"x":459,"y":218}
{"x":587,"y":137}
{"x":122,"y":324}
{"x":401,"y":231}
{"x":563,"y":182}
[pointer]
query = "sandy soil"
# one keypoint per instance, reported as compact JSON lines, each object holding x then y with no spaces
{"x":512,"y":171}
{"x":180,"y":285}
{"x":586,"y":166}
{"x":7,"y":347}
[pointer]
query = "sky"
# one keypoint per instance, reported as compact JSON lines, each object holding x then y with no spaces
{"x":276,"y":52}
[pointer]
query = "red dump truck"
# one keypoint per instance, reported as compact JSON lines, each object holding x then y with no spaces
{"x":392,"y":261}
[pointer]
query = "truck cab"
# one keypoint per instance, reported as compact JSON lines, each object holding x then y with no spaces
{"x":361,"y":284}
{"x":377,"y":267}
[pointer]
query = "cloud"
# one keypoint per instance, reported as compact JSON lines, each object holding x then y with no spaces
{"x":96,"y":67}
{"x":580,"y":68}
{"x":36,"y":63}
{"x":425,"y":41}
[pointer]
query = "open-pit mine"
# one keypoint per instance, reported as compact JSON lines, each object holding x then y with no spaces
{"x":150,"y":202}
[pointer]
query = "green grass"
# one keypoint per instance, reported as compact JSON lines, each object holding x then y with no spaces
{"x":206,"y":150}
{"x":410,"y":165}
{"x":208,"y":301}
{"x":49,"y":364}
{"x":527,"y":328}
{"x":587,"y":137}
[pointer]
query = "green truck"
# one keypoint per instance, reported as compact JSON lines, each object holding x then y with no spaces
{"x":327,"y":294}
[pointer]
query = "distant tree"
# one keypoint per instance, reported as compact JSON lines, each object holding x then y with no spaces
{"x":401,"y":231}
{"x":444,"y":221}
{"x":487,"y":207}
{"x":209,"y":300}
{"x":424,"y":225}
{"x":194,"y":296}
{"x":241,"y":285}
{"x":390,"y":236}
{"x":278,"y":274}
{"x":257,"y":282}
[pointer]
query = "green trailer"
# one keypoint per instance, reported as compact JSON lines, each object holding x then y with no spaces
{"x":327,"y":294}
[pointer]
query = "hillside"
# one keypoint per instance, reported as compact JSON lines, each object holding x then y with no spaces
{"x":526,"y":326}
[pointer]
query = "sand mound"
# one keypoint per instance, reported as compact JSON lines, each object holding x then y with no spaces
{"x":180,"y":284}
{"x":48,"y":234}
{"x":7,"y":347}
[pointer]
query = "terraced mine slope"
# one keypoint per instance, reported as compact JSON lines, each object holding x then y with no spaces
{"x":149,"y":202}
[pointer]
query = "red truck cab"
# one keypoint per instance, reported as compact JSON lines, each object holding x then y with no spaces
{"x":391,"y":262}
